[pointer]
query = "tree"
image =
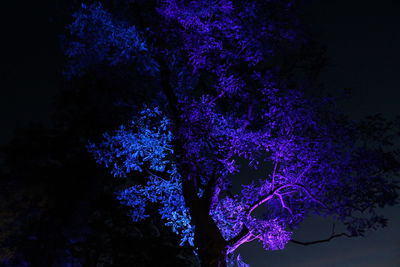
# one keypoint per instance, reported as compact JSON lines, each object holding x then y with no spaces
{"x":225,"y":86}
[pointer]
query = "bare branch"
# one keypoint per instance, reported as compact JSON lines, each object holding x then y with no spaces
{"x":155,"y":175}
{"x":305,"y":170}
{"x":274,"y":173}
{"x":239,"y":236}
{"x":273,"y":193}
{"x":265,"y":199}
{"x":284,"y":204}
{"x":259,"y":203}
{"x":217,"y":97}
{"x":320,"y":241}
{"x":244,"y":239}
{"x":246,"y":236}
{"x":309,"y":194}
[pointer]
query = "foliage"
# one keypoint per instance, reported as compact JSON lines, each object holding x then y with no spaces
{"x":225,"y":100}
{"x":98,"y":38}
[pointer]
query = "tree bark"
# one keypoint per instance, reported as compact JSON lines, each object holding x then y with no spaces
{"x":212,"y":247}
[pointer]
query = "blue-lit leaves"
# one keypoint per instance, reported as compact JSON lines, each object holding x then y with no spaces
{"x":229,"y":115}
{"x":97,"y":38}
{"x":168,"y":194}
{"x":145,"y":146}
{"x":136,"y":198}
{"x":144,"y":143}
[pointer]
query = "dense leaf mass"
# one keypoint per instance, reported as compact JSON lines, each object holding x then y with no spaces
{"x":226,"y":100}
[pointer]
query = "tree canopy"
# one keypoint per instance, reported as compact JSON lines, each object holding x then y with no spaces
{"x":222,"y":86}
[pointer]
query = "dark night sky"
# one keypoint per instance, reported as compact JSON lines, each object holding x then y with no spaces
{"x":363,"y":41}
{"x":30,"y":63}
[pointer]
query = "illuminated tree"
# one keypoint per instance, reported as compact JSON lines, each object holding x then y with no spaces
{"x":219,"y":97}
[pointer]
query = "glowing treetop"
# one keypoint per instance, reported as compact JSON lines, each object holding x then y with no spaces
{"x":222,"y":100}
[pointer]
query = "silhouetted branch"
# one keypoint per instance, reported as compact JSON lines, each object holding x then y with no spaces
{"x":319,"y":241}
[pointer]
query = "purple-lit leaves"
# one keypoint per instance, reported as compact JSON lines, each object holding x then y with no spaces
{"x":217,"y":108}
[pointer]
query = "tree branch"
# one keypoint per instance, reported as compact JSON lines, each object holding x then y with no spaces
{"x":242,"y":233}
{"x":239,"y":241}
{"x":284,"y":204}
{"x":320,"y":241}
{"x":273,"y":193}
{"x":305,"y":170}
{"x":309,"y":194}
{"x":274,"y":173}
{"x":265,"y":199}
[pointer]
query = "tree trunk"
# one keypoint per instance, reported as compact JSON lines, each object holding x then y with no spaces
{"x":211,"y":245}
{"x":213,"y":256}
{"x":208,"y":238}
